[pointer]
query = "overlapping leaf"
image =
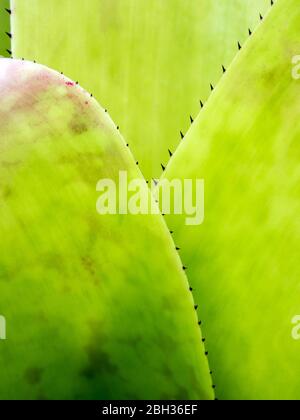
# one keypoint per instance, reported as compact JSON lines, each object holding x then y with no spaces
{"x":243,"y":262}
{"x":96,"y":306}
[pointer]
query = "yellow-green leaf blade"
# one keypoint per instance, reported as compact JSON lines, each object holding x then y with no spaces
{"x":244,"y":260}
{"x":97,"y":307}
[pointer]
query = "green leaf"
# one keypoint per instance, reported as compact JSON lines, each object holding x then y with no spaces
{"x":97,"y":307}
{"x":150,"y":62}
{"x":243,"y":262}
{"x":5,"y":35}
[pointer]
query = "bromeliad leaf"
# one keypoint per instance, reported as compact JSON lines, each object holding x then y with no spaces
{"x":89,"y":314}
{"x":243,"y":261}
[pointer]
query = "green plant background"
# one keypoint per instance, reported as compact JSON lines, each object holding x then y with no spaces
{"x":84,"y":285}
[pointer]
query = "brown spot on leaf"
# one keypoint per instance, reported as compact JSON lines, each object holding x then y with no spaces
{"x":7,"y":192}
{"x":78,"y":127}
{"x":99,"y":361}
{"x":88,"y":264}
{"x":33,"y":376}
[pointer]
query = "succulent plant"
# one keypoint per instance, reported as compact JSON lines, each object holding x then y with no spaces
{"x":90,"y":314}
{"x":100,"y":307}
{"x":149,"y":62}
{"x":243,"y":262}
